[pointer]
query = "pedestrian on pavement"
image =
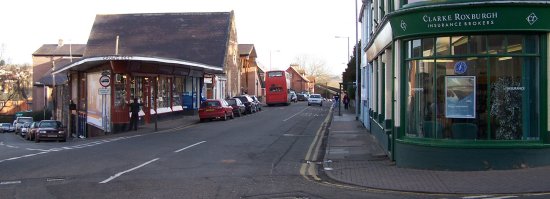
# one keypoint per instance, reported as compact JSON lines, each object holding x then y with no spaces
{"x":336,"y":100}
{"x":134,"y":109}
{"x":346,"y":101}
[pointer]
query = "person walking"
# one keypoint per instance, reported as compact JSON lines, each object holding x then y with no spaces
{"x":346,"y":101}
{"x":134,"y":109}
{"x":336,"y":100}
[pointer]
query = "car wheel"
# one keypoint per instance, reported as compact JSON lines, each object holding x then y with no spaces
{"x":232,"y":115}
{"x":308,"y":104}
{"x":321,"y":104}
{"x":239,"y":113}
{"x":224,"y":116}
{"x":36,"y":139}
{"x":202,"y":120}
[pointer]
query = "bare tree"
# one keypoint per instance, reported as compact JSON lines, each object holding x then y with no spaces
{"x":15,"y":84}
{"x":312,"y":66}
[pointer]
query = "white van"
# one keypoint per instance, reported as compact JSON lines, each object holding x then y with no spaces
{"x":18,"y":123}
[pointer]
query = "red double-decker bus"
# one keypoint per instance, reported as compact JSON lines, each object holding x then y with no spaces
{"x":277,"y":87}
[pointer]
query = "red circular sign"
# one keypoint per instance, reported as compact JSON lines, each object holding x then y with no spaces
{"x":105,"y":81}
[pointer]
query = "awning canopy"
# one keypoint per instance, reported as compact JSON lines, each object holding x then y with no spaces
{"x":90,"y":62}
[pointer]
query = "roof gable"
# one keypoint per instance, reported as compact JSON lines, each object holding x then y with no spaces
{"x":198,"y":37}
{"x":247,"y":49}
{"x":76,"y":50}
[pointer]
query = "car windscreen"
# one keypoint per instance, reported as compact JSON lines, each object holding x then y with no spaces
{"x":48,"y":125}
{"x":211,"y":103}
{"x":231,"y":101}
{"x":315,"y":96}
{"x":23,"y":120}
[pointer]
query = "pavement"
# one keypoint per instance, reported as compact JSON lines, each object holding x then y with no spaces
{"x":354,"y":157}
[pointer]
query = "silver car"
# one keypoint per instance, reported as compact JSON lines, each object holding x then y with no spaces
{"x":315,"y":99}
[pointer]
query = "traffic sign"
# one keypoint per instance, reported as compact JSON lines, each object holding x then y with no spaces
{"x":105,"y":80}
{"x":104,"y":91}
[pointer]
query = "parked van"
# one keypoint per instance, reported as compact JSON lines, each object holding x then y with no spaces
{"x":19,"y":121}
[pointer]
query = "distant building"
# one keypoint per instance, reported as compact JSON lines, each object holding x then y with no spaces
{"x":251,"y":80}
{"x":298,"y":81}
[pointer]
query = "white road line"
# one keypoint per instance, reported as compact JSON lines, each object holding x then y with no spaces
{"x":502,"y":197}
{"x":294,"y":115}
{"x":474,"y":197}
{"x":129,"y":170}
{"x":10,"y":182}
{"x":37,"y":150}
{"x":177,"y":151}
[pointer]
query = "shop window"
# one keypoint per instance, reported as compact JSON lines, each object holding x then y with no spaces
{"x":428,"y":47}
{"x":480,"y":97}
{"x":496,"y":44}
{"x":416,"y":48}
{"x":120,"y":91}
{"x":515,"y":44}
{"x":177,"y":91}
{"x":477,"y":44}
{"x":459,"y":45}
{"x":531,"y":44}
{"x":442,"y":46}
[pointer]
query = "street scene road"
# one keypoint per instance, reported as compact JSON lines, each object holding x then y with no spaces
{"x":254,"y":156}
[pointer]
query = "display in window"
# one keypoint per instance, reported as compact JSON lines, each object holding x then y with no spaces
{"x":460,"y":96}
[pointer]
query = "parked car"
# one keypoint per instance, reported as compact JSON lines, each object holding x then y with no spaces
{"x":215,"y":108}
{"x":6,"y":127}
{"x":31,"y":131}
{"x":24,"y":129}
{"x":315,"y":99}
{"x":238,"y":107}
{"x":18,"y":123}
{"x":301,"y":97}
{"x":248,"y":102}
{"x":50,"y":130}
{"x":293,"y":97}
{"x":257,"y":102}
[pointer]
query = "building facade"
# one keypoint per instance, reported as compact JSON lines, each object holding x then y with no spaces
{"x":458,"y":85}
{"x":298,"y":80}
{"x":251,"y":81}
{"x":166,"y":61}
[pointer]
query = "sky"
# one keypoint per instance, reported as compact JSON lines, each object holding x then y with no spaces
{"x":280,"y":30}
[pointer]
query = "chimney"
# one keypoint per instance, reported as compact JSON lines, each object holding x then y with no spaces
{"x":60,"y":43}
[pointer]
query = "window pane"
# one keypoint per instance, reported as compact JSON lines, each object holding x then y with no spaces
{"x":514,"y":102}
{"x":420,"y":93}
{"x":416,"y":48}
{"x":459,"y":45}
{"x":428,"y":47}
{"x":408,"y":47}
{"x":478,"y":44}
{"x":515,"y":44}
{"x":496,"y":44}
{"x":442,"y":46}
{"x":532,"y":44}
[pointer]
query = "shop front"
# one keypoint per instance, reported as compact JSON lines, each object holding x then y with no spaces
{"x":103,"y":87}
{"x":470,"y":87}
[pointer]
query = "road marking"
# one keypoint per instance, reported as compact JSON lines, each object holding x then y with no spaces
{"x":10,"y":182}
{"x":295,"y":114}
{"x":311,"y":155}
{"x":11,"y":146}
{"x":474,"y":197}
{"x":23,"y":156}
{"x":177,"y":151}
{"x":129,"y":170}
{"x":502,"y":197}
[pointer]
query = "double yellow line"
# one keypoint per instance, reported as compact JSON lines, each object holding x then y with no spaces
{"x":309,"y":167}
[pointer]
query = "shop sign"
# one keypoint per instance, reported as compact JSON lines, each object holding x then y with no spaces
{"x":471,"y":18}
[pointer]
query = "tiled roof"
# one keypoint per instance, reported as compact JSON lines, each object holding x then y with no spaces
{"x":198,"y":37}
{"x":60,"y":78}
{"x":76,"y":50}
{"x":246,"y":49}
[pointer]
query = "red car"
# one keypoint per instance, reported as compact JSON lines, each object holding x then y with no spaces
{"x":215,"y":108}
